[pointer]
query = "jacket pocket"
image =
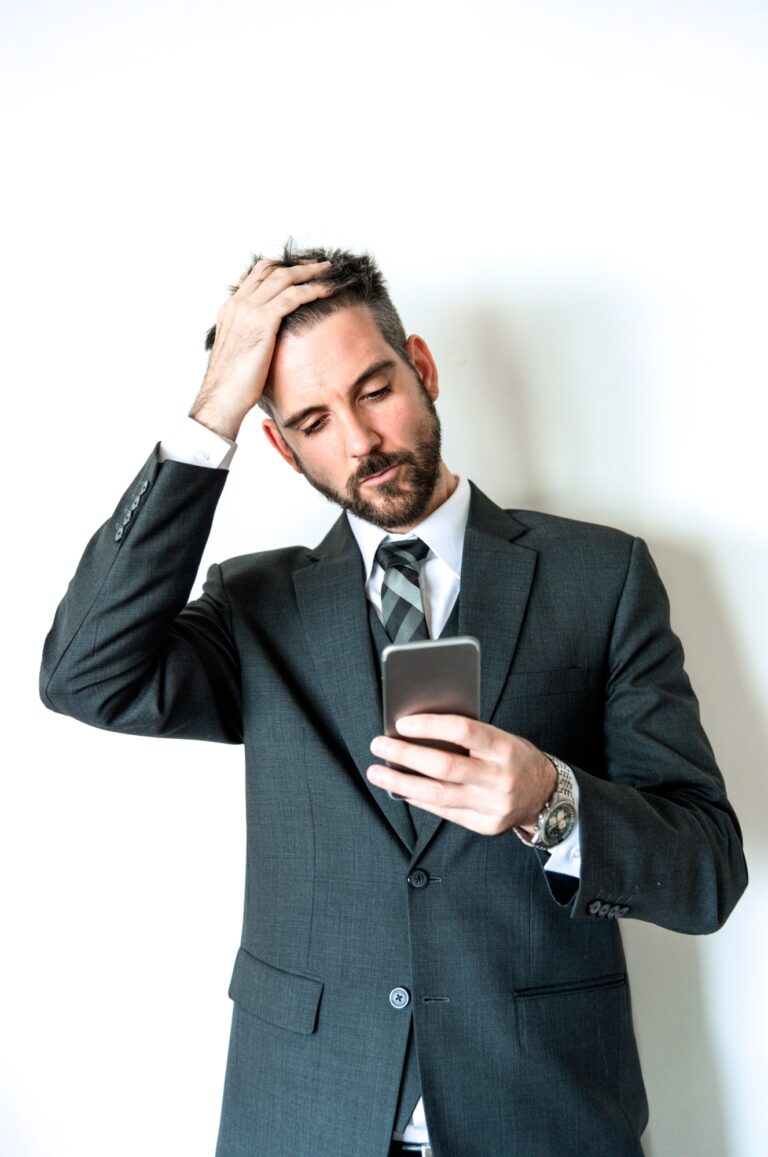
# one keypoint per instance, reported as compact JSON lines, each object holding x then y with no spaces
{"x":572,"y":1018}
{"x":286,"y":999}
{"x":580,"y":1034}
{"x":612,"y":980}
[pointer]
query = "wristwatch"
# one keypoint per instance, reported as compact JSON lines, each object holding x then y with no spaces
{"x":558,"y":817}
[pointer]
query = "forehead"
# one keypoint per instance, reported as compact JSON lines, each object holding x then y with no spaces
{"x":314,"y":364}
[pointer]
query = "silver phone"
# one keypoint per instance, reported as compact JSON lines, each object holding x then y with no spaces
{"x":433,"y":676}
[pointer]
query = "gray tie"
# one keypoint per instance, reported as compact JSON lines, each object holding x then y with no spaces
{"x":401,"y":607}
{"x":403,"y":614}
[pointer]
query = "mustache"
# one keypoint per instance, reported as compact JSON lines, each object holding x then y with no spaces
{"x":377,"y":462}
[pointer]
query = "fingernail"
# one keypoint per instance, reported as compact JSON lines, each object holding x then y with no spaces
{"x":405,"y":724}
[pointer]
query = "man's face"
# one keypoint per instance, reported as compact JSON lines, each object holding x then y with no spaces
{"x":357,"y":420}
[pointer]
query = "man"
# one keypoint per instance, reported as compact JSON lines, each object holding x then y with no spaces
{"x":441,"y":973}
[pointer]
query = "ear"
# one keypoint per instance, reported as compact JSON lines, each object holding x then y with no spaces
{"x":276,"y":439}
{"x":420,"y":355}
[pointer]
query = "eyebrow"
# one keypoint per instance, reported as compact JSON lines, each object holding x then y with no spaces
{"x":372,"y":372}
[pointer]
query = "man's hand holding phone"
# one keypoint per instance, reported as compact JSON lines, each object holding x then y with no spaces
{"x":445,"y":760}
{"x":502,"y":783}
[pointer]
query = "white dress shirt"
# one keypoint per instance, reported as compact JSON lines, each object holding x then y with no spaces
{"x":440,"y":581}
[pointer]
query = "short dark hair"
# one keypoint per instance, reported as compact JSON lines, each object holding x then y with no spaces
{"x":357,"y":280}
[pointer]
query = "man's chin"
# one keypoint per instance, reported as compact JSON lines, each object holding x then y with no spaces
{"x":391,"y":507}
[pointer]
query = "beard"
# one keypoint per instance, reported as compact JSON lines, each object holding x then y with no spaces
{"x":395,"y":504}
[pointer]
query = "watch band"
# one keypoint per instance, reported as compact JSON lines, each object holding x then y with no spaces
{"x":559,"y":816}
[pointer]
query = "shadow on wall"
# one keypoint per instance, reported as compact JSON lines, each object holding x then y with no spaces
{"x":535,"y":393}
{"x":539,"y":414}
{"x":678,"y":1058}
{"x":668,"y":974}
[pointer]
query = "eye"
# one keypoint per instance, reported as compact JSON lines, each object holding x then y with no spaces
{"x":313,"y":428}
{"x":376,"y":395}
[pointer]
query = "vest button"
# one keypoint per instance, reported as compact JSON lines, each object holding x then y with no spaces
{"x":418,"y":879}
{"x":399,"y":998}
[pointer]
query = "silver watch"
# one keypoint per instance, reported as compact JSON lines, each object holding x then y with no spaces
{"x":558,"y":817}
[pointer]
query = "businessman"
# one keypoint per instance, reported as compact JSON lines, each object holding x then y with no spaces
{"x":440,"y":973}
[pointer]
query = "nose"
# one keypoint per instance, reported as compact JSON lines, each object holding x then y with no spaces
{"x":361,"y":438}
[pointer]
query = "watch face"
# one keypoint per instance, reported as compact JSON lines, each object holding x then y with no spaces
{"x":558,"y":824}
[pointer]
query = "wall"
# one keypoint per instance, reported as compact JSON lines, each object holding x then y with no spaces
{"x":569,"y":202}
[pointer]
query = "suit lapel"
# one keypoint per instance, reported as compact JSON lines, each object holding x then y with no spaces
{"x":332,"y":604}
{"x":496,"y":578}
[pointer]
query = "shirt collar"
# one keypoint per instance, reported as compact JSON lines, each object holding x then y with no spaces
{"x":443,"y":531}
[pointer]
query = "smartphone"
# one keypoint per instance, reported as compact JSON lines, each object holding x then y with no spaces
{"x":433,"y":676}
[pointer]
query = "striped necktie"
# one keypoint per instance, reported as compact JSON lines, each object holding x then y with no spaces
{"x":401,"y":607}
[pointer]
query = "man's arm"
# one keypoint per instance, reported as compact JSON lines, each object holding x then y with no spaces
{"x":659,"y":840}
{"x":124,"y":652}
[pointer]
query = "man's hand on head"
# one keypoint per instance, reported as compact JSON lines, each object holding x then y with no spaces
{"x":246,"y":331}
{"x":504,"y":781}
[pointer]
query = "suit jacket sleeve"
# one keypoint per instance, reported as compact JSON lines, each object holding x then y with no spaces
{"x":125,"y":652}
{"x":660,"y":841}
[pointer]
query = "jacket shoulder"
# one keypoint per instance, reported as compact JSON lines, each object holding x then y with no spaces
{"x":264,"y":565}
{"x":544,"y":530}
{"x":281,"y":558}
{"x":556,"y":524}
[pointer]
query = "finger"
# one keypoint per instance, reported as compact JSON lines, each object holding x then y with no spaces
{"x":296,"y":295}
{"x":480,"y":738}
{"x":432,"y":793}
{"x":278,"y":277}
{"x":442,"y":800}
{"x":254,"y":276}
{"x":431,"y":761}
{"x":483,"y":825}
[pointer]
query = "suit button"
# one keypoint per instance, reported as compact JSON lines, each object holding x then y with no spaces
{"x":594,"y":908}
{"x":623,"y":909}
{"x":144,"y":487}
{"x":118,"y":533}
{"x":614,"y":911}
{"x":604,"y":909}
{"x":418,"y":879}
{"x":399,"y":998}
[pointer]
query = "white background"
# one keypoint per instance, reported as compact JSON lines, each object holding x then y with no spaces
{"x":569,"y":201}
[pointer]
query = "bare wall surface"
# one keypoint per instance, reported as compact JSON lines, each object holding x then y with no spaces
{"x":569,"y":203}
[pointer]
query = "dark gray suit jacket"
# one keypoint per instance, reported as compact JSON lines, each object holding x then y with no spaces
{"x":518,"y":999}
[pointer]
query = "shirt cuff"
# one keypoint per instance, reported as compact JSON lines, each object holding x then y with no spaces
{"x":195,"y":444}
{"x":565,"y":858}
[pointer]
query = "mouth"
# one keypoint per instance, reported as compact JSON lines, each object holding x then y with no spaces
{"x":383,"y":476}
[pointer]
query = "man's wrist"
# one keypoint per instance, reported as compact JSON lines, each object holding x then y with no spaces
{"x":550,"y":774}
{"x":191,"y":442}
{"x":559,"y":814}
{"x":225,"y":425}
